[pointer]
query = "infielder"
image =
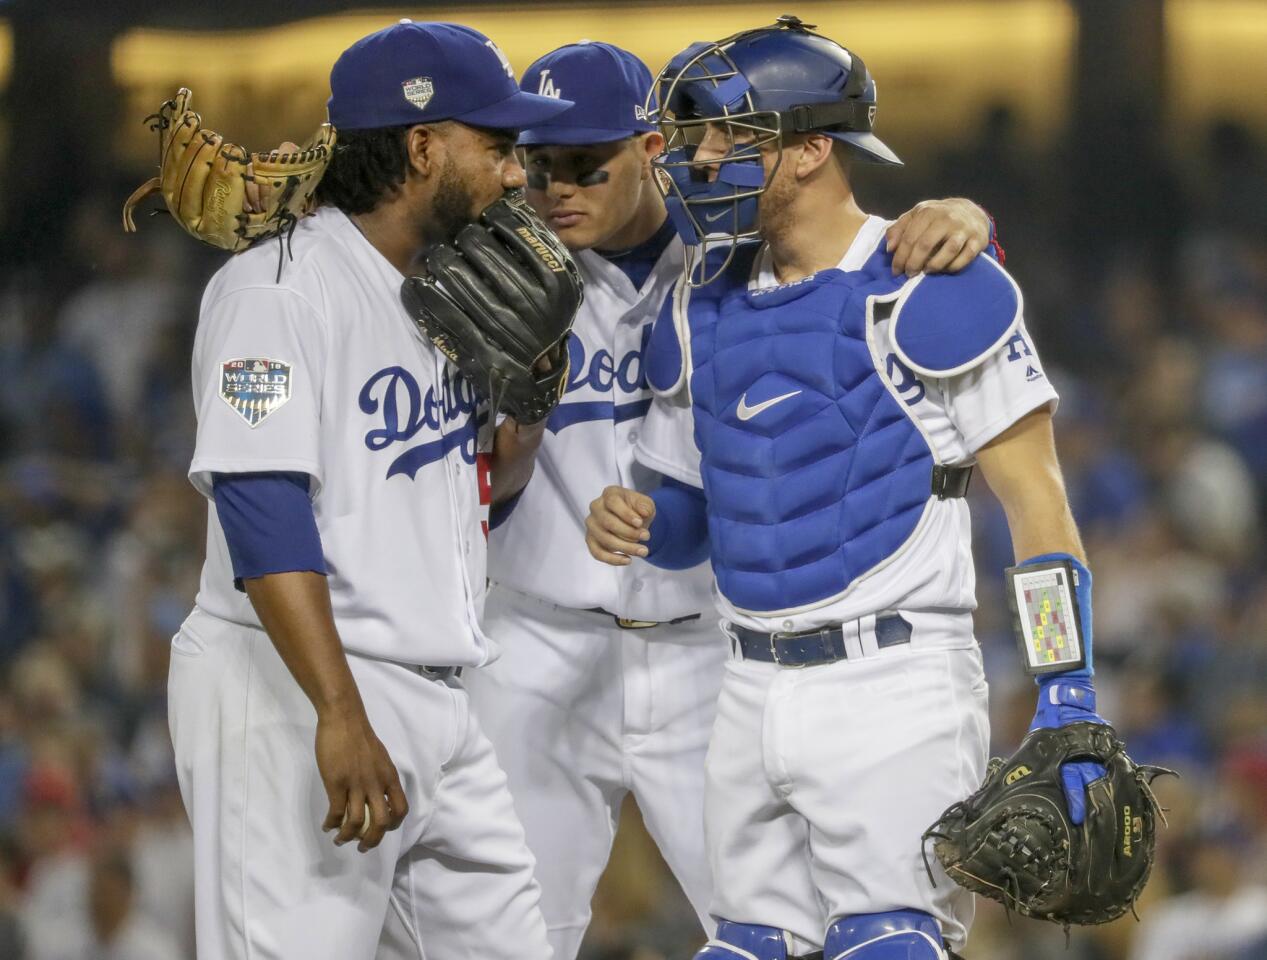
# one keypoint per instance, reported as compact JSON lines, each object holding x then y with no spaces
{"x":838,"y":412}
{"x":338,"y":451}
{"x":608,"y":678}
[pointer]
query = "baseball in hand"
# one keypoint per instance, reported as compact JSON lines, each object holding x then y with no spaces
{"x":365,"y":824}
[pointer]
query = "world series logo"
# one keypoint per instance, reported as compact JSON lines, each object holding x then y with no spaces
{"x":255,"y":386}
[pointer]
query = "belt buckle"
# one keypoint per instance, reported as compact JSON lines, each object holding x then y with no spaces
{"x":625,"y":623}
{"x":774,"y":650}
{"x":439,"y":673}
{"x":822,"y":633}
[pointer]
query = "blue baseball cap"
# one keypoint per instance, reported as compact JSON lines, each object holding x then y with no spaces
{"x":425,"y":72}
{"x":608,"y":85}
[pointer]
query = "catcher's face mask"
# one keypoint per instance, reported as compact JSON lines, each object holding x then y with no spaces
{"x":750,"y":92}
{"x":711,"y":171}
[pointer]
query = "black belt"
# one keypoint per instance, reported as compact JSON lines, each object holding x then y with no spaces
{"x":809,"y":648}
{"x":627,"y":624}
{"x":950,"y":482}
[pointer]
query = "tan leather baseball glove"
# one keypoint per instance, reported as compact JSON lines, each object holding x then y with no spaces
{"x":218,"y":191}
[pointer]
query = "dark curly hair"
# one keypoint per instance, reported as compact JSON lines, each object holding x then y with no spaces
{"x":367,"y":167}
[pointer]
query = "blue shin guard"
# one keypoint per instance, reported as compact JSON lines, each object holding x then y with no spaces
{"x":897,"y":935}
{"x":744,"y":941}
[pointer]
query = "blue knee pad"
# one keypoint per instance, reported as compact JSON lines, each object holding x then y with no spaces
{"x":744,"y":941}
{"x":896,"y":935}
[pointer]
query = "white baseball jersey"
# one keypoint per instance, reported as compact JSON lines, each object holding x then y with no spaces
{"x":581,"y":711}
{"x":325,"y":373}
{"x":589,"y":444}
{"x":957,"y":415}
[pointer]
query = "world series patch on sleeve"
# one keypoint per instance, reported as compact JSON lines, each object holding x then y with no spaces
{"x":255,"y":386}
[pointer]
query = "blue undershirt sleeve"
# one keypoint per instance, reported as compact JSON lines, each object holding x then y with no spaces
{"x":679,"y":532}
{"x":268,"y":524}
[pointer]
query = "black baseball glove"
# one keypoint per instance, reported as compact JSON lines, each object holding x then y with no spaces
{"x":499,"y":303}
{"x":1013,"y":840}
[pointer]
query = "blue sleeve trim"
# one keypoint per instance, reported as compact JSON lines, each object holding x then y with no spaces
{"x":1082,"y":596}
{"x":679,"y":532}
{"x":499,"y":513}
{"x":268,"y":524}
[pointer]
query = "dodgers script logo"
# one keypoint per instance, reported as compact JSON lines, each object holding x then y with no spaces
{"x":394,"y":396}
{"x":602,"y":373}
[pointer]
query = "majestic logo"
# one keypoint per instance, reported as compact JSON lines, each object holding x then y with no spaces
{"x":747,"y":413}
{"x":510,"y":71}
{"x":546,"y":87}
{"x":1020,"y":773}
{"x":254,"y":387}
{"x":419,"y":91}
{"x":395,"y":396}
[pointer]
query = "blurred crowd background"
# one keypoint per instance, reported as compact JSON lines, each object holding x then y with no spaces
{"x":1129,"y":182}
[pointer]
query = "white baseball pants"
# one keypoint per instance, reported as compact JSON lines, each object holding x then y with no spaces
{"x":457,"y":876}
{"x":581,"y":713}
{"x":821,"y":781}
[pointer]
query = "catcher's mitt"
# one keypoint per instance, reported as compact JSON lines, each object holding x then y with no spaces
{"x":203,"y":179}
{"x":499,"y":303}
{"x":1013,"y":841}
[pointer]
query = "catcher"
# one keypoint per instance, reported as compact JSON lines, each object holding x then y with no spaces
{"x":346,"y":465}
{"x":837,"y":413}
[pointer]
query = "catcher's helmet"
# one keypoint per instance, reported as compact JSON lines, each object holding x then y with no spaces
{"x":761,"y":84}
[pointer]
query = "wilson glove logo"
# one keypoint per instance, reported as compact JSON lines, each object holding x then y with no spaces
{"x":1020,"y":773}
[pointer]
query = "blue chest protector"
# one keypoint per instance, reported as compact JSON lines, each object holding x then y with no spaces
{"x":811,"y":491}
{"x":814,"y":470}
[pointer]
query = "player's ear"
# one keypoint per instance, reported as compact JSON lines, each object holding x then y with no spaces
{"x":652,"y":145}
{"x":816,"y":151}
{"x":420,"y":149}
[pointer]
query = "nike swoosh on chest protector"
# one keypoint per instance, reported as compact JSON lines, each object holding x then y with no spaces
{"x":747,"y":413}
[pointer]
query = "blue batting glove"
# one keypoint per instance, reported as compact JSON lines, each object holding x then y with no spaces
{"x":1065,"y":698}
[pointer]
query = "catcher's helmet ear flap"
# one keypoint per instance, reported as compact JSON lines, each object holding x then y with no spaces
{"x":755,"y":87}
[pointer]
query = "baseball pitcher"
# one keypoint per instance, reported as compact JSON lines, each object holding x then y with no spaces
{"x":346,"y":465}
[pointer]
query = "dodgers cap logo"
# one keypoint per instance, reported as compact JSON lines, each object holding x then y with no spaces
{"x":424,"y":72}
{"x":608,"y":85}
